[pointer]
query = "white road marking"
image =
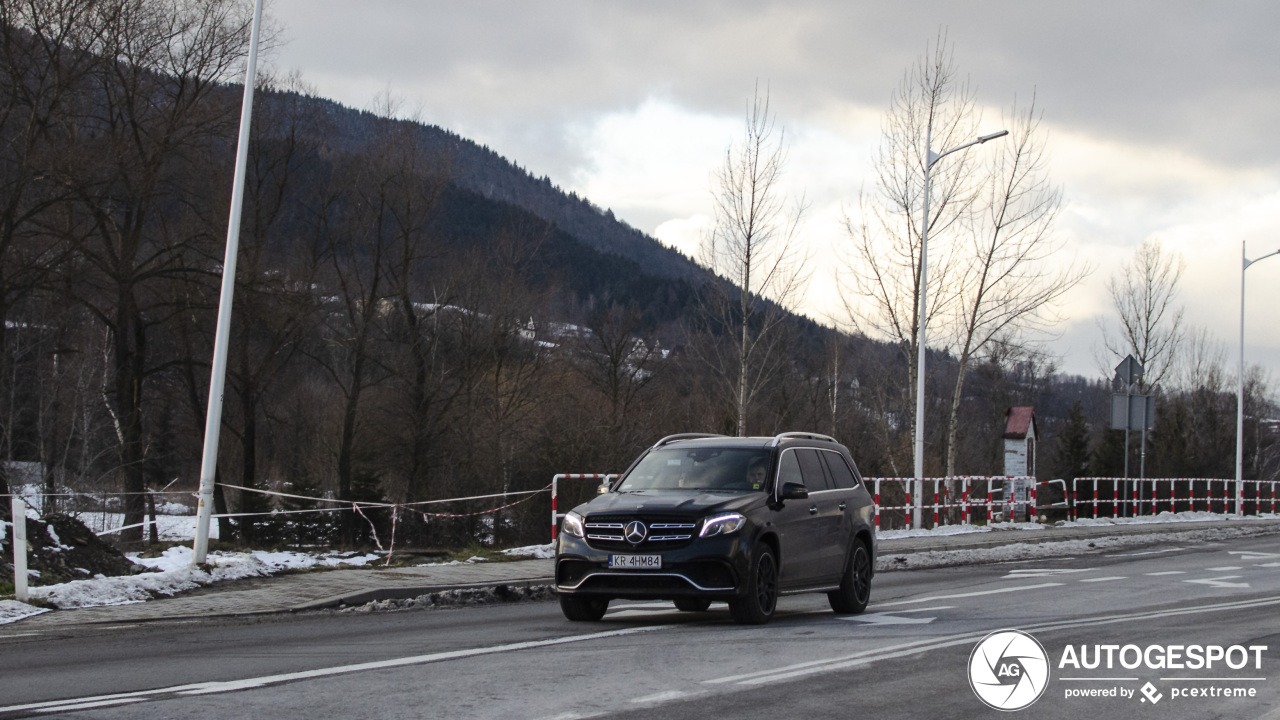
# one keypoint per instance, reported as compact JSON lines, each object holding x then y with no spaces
{"x":932,"y":598}
{"x":661,"y":697}
{"x":1220,"y":582}
{"x":1224,"y":568}
{"x":1105,"y":579}
{"x":1252,"y":554}
{"x":14,"y":635}
{"x":662,"y":604}
{"x":1168,"y":572}
{"x":1146,"y":552}
{"x":914,"y":648}
{"x":90,"y":705}
{"x":635,"y":613}
{"x":887,"y":619}
{"x":1274,"y":564}
{"x":1040,"y":572}
{"x":206,"y":688}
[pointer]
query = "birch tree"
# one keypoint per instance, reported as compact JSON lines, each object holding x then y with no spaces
{"x":755,"y":253}
{"x":1144,"y":294}
{"x":931,"y":107}
{"x":1012,"y":276}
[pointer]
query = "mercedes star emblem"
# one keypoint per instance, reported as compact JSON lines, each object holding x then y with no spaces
{"x":635,"y":532}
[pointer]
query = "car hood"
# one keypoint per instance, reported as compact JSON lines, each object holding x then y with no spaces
{"x":691,"y":503}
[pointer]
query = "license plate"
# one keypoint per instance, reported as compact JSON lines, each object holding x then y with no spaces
{"x":636,"y":562}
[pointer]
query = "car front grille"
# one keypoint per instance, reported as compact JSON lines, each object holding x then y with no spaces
{"x":607,"y":532}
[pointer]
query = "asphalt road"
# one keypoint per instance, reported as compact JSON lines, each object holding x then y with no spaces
{"x":908,"y":656}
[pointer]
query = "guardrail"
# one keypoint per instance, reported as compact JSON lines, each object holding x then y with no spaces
{"x":555,"y":493}
{"x":976,"y":498}
{"x":1130,"y":497}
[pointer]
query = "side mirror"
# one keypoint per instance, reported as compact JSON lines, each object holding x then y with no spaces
{"x":602,"y":489}
{"x":794,"y":491}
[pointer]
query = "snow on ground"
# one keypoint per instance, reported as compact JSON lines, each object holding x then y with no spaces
{"x":541,"y":552}
{"x":1164,"y":517}
{"x":12,"y":611}
{"x":172,"y":573}
{"x":1029,"y":551}
{"x":172,"y":528}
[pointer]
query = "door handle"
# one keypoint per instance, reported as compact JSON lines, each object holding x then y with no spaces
{"x":813,"y":510}
{"x":842,"y":506}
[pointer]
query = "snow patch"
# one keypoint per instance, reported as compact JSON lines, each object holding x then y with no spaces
{"x":12,"y":611}
{"x":173,"y":574}
{"x":1028,"y":551}
{"x":541,"y":552}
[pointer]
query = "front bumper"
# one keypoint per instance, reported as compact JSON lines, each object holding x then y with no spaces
{"x":707,"y":567}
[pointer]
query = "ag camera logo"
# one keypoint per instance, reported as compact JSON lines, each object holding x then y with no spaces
{"x":1008,"y":670}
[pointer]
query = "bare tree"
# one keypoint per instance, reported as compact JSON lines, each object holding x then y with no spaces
{"x":931,"y":107}
{"x":1012,"y":277}
{"x":1144,"y":293}
{"x":755,"y":253}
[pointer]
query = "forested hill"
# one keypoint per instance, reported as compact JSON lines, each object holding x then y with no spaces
{"x":477,"y":168}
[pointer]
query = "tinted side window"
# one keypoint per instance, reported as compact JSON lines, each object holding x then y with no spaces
{"x":840,"y":471}
{"x":811,"y":468}
{"x":789,"y":469}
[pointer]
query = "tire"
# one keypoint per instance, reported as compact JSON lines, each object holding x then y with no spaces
{"x":855,"y":586}
{"x":692,"y":604}
{"x":757,"y":607}
{"x":583,"y":609}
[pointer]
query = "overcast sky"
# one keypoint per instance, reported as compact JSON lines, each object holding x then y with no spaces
{"x":1162,"y":117}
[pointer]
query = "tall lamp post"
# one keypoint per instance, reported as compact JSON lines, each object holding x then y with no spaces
{"x":217,"y":379}
{"x":1240,"y":385}
{"x":931,"y":159}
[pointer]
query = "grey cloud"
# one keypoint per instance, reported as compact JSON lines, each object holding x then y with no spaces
{"x":1200,"y":77}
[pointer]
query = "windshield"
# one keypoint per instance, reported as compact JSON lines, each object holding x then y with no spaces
{"x":717,"y":469}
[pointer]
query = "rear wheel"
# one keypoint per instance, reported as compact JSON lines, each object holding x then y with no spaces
{"x":762,"y":592}
{"x":583,"y":609}
{"x":692,"y":604}
{"x":855,"y":586}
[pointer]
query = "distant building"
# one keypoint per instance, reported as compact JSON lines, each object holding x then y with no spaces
{"x":1020,"y":441}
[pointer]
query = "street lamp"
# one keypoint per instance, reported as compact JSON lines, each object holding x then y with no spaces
{"x":930,"y":159}
{"x":222,"y":335}
{"x":1240,"y":386}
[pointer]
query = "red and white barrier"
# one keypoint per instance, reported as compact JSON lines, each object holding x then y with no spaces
{"x":555,"y":492}
{"x":1131,"y":497}
{"x":944,"y":500}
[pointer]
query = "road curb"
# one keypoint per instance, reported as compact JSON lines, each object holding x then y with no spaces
{"x":363,"y":597}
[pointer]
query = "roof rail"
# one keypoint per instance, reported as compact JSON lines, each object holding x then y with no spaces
{"x":801,"y":436}
{"x":683,"y":436}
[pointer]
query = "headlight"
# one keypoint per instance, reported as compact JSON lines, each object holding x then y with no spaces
{"x":722,"y":524}
{"x":573,"y":525}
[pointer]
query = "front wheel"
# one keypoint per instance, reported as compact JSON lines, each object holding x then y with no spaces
{"x":583,"y":609}
{"x":855,"y":586}
{"x":762,"y":592}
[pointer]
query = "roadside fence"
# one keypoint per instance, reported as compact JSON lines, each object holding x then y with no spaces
{"x":954,"y":500}
{"x":1109,"y":497}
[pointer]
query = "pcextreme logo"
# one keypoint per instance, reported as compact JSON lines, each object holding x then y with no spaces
{"x":1008,"y":670}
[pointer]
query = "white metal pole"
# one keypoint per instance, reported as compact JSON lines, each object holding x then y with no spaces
{"x":924,"y":295}
{"x":19,"y":549}
{"x":1244,"y":265}
{"x":217,"y":378}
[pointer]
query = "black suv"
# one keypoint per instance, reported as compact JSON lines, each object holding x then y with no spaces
{"x":698,"y":518}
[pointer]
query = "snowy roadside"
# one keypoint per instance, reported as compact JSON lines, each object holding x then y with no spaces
{"x":171,"y":573}
{"x":1064,"y":548}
